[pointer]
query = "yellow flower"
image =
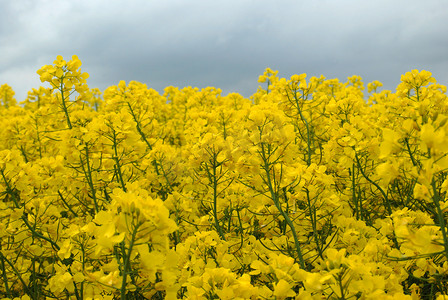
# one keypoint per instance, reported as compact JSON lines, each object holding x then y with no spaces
{"x":7,"y":96}
{"x":283,"y":289}
{"x":59,"y":282}
{"x":65,"y":250}
{"x":257,"y":116}
{"x":422,"y":192}
{"x":373,"y":86}
{"x":387,"y":172}
{"x":390,"y":144}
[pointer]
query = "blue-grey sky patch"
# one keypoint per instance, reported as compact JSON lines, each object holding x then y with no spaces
{"x":225,"y":44}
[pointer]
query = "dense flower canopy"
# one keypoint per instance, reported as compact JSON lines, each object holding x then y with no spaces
{"x":311,"y":189}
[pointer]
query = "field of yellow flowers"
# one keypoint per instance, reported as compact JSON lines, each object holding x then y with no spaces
{"x":310,"y":189}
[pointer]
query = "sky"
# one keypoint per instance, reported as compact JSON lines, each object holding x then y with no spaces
{"x":224,"y":44}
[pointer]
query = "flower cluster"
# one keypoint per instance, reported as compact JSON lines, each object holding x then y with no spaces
{"x":311,"y":189}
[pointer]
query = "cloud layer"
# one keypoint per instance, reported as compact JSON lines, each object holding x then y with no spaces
{"x":225,"y":44}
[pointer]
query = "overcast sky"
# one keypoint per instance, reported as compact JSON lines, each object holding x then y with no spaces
{"x":225,"y":44}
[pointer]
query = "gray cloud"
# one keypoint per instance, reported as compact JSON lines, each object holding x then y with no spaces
{"x":225,"y":44}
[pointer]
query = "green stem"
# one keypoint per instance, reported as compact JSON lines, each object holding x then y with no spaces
{"x":4,"y":275}
{"x":355,"y":201}
{"x":308,"y":135}
{"x":64,"y":105}
{"x":165,"y":175}
{"x":215,"y":200}
{"x":313,"y":218}
{"x":25,"y":286}
{"x":117,"y":161}
{"x":88,"y":175}
{"x":440,"y":217}
{"x":277,"y":204}
{"x":38,"y":139}
{"x":406,"y":140}
{"x":9,"y":190}
{"x":213,"y":181}
{"x":341,"y":286}
{"x":386,"y":199}
{"x":143,"y":136}
{"x":77,"y":295}
{"x":39,"y":235}
{"x":127,"y":261}
{"x":34,"y":279}
{"x":66,"y":204}
{"x":22,"y":150}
